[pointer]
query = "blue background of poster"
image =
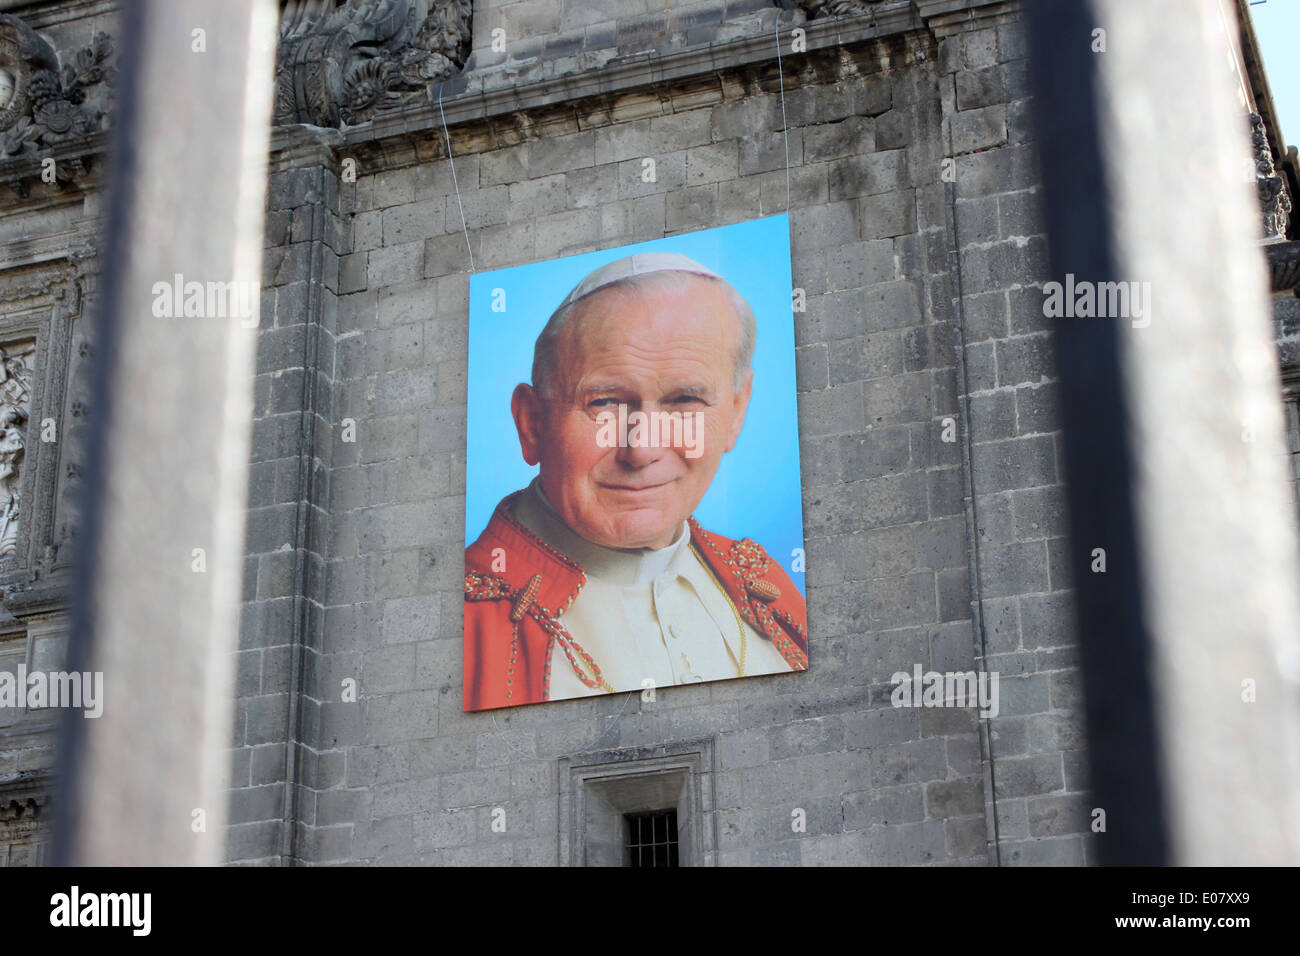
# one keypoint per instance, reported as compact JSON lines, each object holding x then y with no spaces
{"x":756,"y":491}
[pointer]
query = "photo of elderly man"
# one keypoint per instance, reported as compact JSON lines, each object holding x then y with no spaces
{"x":595,"y":577}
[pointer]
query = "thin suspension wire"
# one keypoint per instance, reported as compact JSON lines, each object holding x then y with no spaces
{"x":461,"y":205}
{"x":785,"y":129}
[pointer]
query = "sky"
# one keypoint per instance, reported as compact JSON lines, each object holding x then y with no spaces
{"x":1277,"y":24}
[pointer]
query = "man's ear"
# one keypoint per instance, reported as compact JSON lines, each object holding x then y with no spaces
{"x":742,"y":406}
{"x":528,"y":411}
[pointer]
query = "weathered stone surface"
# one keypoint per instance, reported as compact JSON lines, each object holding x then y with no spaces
{"x":355,"y":546}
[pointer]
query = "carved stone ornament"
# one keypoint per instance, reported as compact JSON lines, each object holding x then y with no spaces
{"x":1283,"y":266}
{"x":340,"y":64}
{"x":1274,"y":199}
{"x":818,"y":9}
{"x":16,"y":363}
{"x":41,"y":104}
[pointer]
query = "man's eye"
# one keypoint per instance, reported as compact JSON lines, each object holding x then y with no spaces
{"x":686,"y":400}
{"x":602,"y":402}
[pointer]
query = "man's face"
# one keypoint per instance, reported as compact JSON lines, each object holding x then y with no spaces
{"x":662,"y":348}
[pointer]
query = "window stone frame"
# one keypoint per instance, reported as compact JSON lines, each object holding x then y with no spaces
{"x":597,"y":789}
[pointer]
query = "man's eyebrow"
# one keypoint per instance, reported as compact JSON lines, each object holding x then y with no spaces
{"x":604,"y":388}
{"x":703,"y":392}
{"x":601,"y":387}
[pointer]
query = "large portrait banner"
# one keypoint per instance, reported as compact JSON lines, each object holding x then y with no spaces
{"x":633,"y":517}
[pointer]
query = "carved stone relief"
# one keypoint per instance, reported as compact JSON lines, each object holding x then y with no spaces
{"x":41,"y":102}
{"x":24,"y":818}
{"x":816,"y":9}
{"x":1274,"y":198}
{"x":342,"y":64}
{"x":1283,"y":265}
{"x":40,"y":441}
{"x":16,"y":363}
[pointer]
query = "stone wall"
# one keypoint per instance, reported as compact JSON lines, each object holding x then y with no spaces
{"x":48,"y":287}
{"x":915,"y":236}
{"x":1023,"y":609}
{"x":928,"y":433}
{"x":276,"y":723}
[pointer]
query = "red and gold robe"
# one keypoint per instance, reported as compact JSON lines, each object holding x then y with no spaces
{"x":514,"y":617}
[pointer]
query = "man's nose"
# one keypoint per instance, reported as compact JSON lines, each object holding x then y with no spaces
{"x":643,"y":446}
{"x":642,"y":453}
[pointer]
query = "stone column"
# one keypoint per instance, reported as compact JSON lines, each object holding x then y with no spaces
{"x":158,"y":613}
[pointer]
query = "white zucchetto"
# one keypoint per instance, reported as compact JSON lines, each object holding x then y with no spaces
{"x":643,"y":263}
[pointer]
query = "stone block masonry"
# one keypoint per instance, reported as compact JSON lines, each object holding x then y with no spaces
{"x":928,"y":431}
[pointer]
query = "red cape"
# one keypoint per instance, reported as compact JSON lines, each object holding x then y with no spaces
{"x":517,"y":588}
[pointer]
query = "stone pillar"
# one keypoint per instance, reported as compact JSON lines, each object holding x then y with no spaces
{"x":1184,"y":540}
{"x":157,"y":614}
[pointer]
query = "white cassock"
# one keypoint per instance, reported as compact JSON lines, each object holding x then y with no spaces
{"x":657,"y":614}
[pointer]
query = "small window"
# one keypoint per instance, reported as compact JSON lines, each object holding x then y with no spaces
{"x":639,"y":806}
{"x":651,"y":838}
